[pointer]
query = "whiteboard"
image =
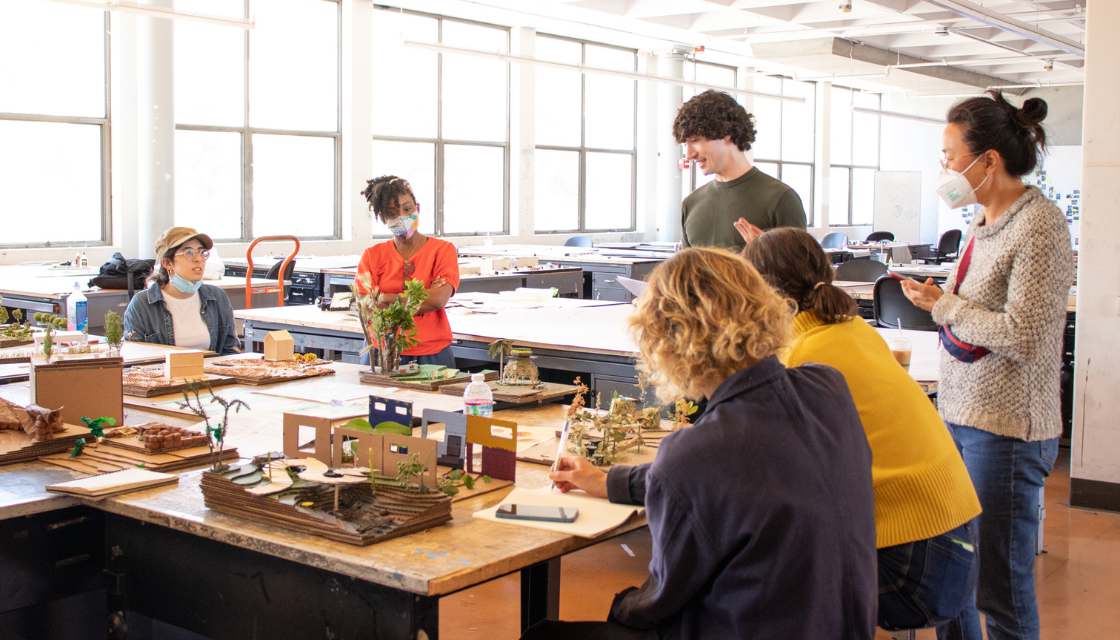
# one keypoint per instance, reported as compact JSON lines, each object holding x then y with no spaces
{"x":898,"y":204}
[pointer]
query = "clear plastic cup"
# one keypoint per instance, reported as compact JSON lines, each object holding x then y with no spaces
{"x":901,"y":348}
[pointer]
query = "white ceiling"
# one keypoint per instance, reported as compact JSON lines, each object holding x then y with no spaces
{"x":988,"y":42}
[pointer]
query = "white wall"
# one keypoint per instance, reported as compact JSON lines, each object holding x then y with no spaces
{"x":1096,"y":428}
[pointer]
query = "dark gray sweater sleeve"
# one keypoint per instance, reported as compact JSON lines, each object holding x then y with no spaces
{"x":627,"y":485}
{"x":790,"y":212}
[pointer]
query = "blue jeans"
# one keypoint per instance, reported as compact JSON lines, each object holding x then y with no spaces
{"x":441,"y":357}
{"x":928,"y":582}
{"x":1007,"y":474}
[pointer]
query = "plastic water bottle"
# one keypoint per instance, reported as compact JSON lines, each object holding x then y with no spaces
{"x":76,"y":317}
{"x":477,"y":399}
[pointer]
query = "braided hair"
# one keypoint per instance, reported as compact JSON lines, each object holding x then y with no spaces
{"x":996,"y":124}
{"x":793,"y":262}
{"x":385,"y":192}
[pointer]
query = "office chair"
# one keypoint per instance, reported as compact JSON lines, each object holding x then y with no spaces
{"x":578,"y":241}
{"x":274,"y":273}
{"x":835,"y":240}
{"x":879,"y":236}
{"x":891,"y":306}
{"x":948,"y":245}
{"x":861,"y":270}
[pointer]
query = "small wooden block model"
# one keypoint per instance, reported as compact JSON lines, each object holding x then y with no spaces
{"x":27,"y":433}
{"x":465,"y":270}
{"x":499,"y":264}
{"x":530,"y":261}
{"x":184,"y":365}
{"x":279,"y":345}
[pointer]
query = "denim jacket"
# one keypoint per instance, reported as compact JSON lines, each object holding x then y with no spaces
{"x":147,"y":319}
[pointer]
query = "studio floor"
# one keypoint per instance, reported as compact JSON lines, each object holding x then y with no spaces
{"x":1078,"y":578}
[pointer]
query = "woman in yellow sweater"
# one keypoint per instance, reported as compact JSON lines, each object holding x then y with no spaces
{"x":924,"y":500}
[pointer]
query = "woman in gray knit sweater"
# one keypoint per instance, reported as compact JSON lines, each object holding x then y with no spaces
{"x":1001,"y":313}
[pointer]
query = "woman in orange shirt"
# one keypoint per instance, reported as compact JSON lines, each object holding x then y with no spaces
{"x":411,"y":255}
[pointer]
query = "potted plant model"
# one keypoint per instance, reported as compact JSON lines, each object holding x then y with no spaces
{"x":390,"y":328}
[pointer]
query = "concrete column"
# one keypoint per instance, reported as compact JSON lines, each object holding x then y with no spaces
{"x":155,"y":127}
{"x":123,"y":113}
{"x":357,"y":125}
{"x":1095,"y":472}
{"x":523,"y":135}
{"x":649,"y":126}
{"x":669,"y":100}
{"x":822,"y":159}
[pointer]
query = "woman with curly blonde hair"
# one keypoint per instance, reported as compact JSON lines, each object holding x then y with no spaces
{"x":762,"y":512}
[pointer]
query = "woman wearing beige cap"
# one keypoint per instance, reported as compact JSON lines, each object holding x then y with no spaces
{"x":177,"y":309}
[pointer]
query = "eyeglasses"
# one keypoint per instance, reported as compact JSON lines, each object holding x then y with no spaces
{"x":945,"y":161}
{"x":191,"y":253}
{"x":406,"y":210}
{"x":409,"y":268}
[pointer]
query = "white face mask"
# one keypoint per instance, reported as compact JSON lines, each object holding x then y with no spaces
{"x":955,"y":189}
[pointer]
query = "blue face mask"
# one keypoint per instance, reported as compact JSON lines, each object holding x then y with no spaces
{"x":184,"y":285}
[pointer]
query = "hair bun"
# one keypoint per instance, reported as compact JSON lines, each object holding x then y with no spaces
{"x":1033,"y":111}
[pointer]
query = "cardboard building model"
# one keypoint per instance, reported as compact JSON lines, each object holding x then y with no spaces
{"x":498,"y":439}
{"x":184,"y":365}
{"x":381,"y":452}
{"x":279,"y":345}
{"x":89,"y":387}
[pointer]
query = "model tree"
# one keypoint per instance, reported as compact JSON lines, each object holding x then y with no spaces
{"x":500,"y":349}
{"x":213,"y":433}
{"x":390,"y":328}
{"x":114,"y":331}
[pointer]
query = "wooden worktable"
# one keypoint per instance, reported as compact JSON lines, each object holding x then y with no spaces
{"x":429,"y":564}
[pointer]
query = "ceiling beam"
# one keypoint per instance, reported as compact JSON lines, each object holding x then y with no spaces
{"x":1005,"y":23}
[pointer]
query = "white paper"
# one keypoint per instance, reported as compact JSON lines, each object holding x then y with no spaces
{"x":596,"y":515}
{"x":635,"y":287}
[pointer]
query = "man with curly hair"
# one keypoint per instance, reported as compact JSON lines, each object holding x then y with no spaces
{"x":741,"y":202}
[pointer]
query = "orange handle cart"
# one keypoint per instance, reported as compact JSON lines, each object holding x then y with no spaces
{"x":279,"y":289}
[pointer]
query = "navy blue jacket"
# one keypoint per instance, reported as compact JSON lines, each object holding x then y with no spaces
{"x":148,"y":320}
{"x":762,"y":516}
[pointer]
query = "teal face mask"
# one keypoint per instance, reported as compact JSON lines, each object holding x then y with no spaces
{"x":184,"y":285}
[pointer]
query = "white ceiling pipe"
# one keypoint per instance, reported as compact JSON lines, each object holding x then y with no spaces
{"x":159,"y":12}
{"x":631,"y":75}
{"x":895,"y":114}
{"x":1011,"y":25}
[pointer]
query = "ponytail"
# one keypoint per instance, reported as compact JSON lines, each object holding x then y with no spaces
{"x":793,"y":262}
{"x":831,"y":304}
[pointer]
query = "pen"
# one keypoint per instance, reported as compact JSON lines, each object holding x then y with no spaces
{"x":560,"y":449}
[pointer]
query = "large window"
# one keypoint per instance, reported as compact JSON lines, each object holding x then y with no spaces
{"x":257,"y":143}
{"x":585,"y":138}
{"x":855,"y":157}
{"x":54,"y":125}
{"x":784,"y":145}
{"x":714,"y":74}
{"x":441,"y":120}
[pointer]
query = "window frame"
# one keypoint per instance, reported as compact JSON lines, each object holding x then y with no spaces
{"x":246,"y":132}
{"x":440,"y":142}
{"x":810,"y":210}
{"x":852,"y":166}
{"x":735,"y":71}
{"x":105,"y":125}
{"x":583,"y":149}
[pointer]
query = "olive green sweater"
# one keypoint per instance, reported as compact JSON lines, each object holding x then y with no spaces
{"x":709,"y":213}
